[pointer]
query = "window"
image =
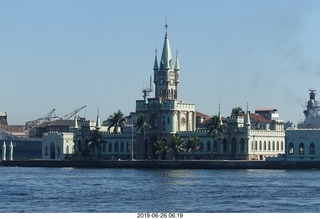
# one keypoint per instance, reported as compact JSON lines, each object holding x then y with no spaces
{"x":110,"y":146}
{"x":264,"y":145}
{"x":273,"y":146}
{"x":116,"y":147}
{"x":269,"y":146}
{"x":168,"y":120}
{"x":67,"y":149}
{"x":312,"y":149}
{"x":46,"y":151}
{"x":256,"y":146}
{"x":277,"y":146}
{"x":282,"y":146}
{"x":260,"y":146}
{"x":242,"y":142}
{"x":225,"y":145}
{"x":215,"y":146}
{"x":121,"y":147}
{"x":208,"y":146}
{"x":291,"y":148}
{"x":301,"y":148}
{"x":104,"y":149}
{"x":128,"y":146}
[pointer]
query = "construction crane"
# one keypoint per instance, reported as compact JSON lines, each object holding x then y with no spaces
{"x":69,"y":115}
{"x":146,"y":92}
{"x":46,"y":118}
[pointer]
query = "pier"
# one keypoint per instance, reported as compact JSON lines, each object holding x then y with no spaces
{"x":166,"y":164}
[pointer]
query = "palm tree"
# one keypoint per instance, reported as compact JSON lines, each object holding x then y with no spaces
{"x":161,"y":149}
{"x":194,"y":144}
{"x":142,"y":125}
{"x":237,"y":111}
{"x":176,"y":145}
{"x":117,"y":121}
{"x":95,"y":141}
{"x":215,"y":128}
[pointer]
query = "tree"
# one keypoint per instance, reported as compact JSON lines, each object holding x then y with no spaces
{"x":215,"y":129}
{"x":237,"y":111}
{"x":96,"y":141}
{"x":161,"y":149}
{"x":117,"y":121}
{"x":176,"y":145}
{"x":194,"y":144}
{"x":142,"y":125}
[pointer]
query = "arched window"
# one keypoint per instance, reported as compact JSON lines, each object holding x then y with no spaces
{"x":121,"y":147}
{"x":301,"y":148}
{"x":260,"y":146}
{"x":225,"y":146}
{"x":281,"y":145}
{"x":46,"y":151}
{"x":215,"y":146}
{"x":269,"y":145}
{"x":116,"y":147}
{"x":67,"y":149}
{"x":208,"y":146}
{"x":110,"y":146}
{"x":291,"y":148}
{"x":277,"y":145}
{"x":312,"y":149}
{"x":242,"y":145}
{"x":256,"y":146}
{"x":273,"y":146}
{"x":264,"y":145}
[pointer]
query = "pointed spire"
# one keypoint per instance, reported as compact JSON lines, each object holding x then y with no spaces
{"x":156,"y":66}
{"x":177,"y":65}
{"x":98,"y":124}
{"x":166,"y":57}
{"x":75,"y":123}
{"x":247,"y":118}
{"x":220,"y":119}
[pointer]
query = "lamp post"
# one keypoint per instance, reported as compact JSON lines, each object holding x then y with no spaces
{"x":132,"y":131}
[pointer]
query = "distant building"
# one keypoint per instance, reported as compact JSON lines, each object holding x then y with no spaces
{"x":3,"y":118}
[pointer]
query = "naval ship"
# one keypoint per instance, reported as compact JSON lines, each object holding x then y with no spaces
{"x":312,"y":112}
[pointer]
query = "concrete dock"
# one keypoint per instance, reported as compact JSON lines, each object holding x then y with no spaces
{"x":167,"y":164}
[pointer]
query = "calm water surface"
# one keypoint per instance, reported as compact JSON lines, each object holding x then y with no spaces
{"x":136,"y":190}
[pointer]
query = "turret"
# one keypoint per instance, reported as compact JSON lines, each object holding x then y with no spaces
{"x":4,"y":151}
{"x":98,"y":124}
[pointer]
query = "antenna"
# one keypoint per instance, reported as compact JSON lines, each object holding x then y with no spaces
{"x":146,"y":92}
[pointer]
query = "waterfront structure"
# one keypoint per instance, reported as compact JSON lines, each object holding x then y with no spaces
{"x":303,"y":142}
{"x":247,"y":136}
{"x":57,"y":145}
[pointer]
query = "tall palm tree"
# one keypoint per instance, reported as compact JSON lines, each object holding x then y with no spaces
{"x":117,"y":121}
{"x":142,"y":125}
{"x":95,"y":141}
{"x":215,"y":129}
{"x":237,"y":111}
{"x":161,"y":149}
{"x":194,"y":144}
{"x":176,"y":145}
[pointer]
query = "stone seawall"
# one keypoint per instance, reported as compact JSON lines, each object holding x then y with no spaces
{"x":185,"y":164}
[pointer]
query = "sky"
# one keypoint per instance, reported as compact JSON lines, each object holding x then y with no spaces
{"x":62,"y":55}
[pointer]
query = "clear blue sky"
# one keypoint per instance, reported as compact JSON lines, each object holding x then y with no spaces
{"x":66,"y":54}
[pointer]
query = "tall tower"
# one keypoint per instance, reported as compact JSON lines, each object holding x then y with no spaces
{"x":166,"y":74}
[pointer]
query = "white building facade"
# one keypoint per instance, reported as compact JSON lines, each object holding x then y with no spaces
{"x":57,"y":145}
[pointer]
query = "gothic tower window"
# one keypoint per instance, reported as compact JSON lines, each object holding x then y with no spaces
{"x":312,"y":148}
{"x":301,"y":148}
{"x":291,"y":148}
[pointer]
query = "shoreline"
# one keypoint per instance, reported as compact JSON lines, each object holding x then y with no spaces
{"x":166,"y":164}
